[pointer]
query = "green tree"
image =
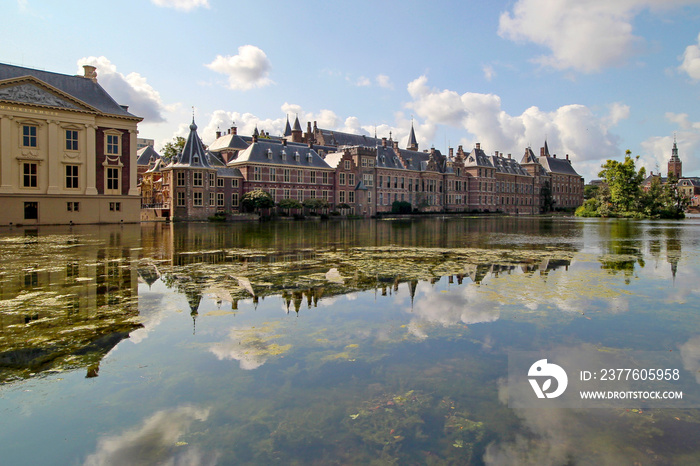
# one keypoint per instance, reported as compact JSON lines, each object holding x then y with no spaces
{"x":171,"y":149}
{"x":257,"y":199}
{"x":625,"y":183}
{"x":547,"y":198}
{"x":314,"y":204}
{"x":288,"y":204}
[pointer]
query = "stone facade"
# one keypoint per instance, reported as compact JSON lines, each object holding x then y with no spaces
{"x":67,"y":150}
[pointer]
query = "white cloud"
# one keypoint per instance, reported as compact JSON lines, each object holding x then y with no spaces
{"x":570,"y":129}
{"x":384,"y":81}
{"x":247,"y":70}
{"x":489,"y":72}
{"x":155,"y":439}
{"x":363,"y":81}
{"x":132,"y":90}
{"x":581,"y":35}
{"x":691,"y":61}
{"x":657,"y":151}
{"x":184,"y":5}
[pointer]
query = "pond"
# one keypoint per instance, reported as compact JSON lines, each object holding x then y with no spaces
{"x":339,"y":342}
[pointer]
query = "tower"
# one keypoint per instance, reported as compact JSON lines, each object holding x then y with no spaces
{"x":675,"y":166}
{"x":412,"y":143}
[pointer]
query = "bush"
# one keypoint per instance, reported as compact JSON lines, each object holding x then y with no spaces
{"x":401,"y":207}
{"x":218,"y":217}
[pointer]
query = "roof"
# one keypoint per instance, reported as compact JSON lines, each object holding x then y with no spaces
{"x":558,"y":166}
{"x":267,"y":152}
{"x":338,"y":138}
{"x":387,"y":158}
{"x":477,"y":158}
{"x":334,"y":158}
{"x":287,"y":129}
{"x":228,"y":141}
{"x":228,"y":172}
{"x":297,"y":125}
{"x":144,"y":155}
{"x":83,"y":89}
{"x":412,"y":138}
{"x":529,"y":157}
{"x":157,"y":166}
{"x":193,"y":154}
{"x":507,"y":166}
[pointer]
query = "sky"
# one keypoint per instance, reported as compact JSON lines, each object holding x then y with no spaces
{"x":593,"y":78}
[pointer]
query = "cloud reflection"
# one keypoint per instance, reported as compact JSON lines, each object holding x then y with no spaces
{"x":155,"y":441}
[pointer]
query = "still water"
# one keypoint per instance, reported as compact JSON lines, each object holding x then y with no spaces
{"x":357,"y":342}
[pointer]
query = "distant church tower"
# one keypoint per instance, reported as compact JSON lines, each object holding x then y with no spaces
{"x":675,"y":166}
{"x":412,"y":143}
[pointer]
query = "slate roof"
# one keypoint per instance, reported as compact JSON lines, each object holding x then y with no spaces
{"x":414,"y":160}
{"x":267,"y":152}
{"x":338,"y":138}
{"x":387,"y":158}
{"x":507,"y":166}
{"x":333,"y":159}
{"x":412,"y":138}
{"x":193,"y":154}
{"x":529,"y":157}
{"x":143,"y":155}
{"x":477,"y":158}
{"x":229,"y":141}
{"x":78,"y":87}
{"x":558,"y":166}
{"x":287,"y":129}
{"x":157,"y":167}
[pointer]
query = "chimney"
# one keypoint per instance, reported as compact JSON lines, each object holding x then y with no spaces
{"x":555,"y":156}
{"x":496,"y":152}
{"x":383,"y":142}
{"x":255,"y":138}
{"x":284,"y":142}
{"x":395,"y":145}
{"x":234,"y":130}
{"x":541,"y":151}
{"x":452,"y":152}
{"x":460,"y":150}
{"x":508,"y":155}
{"x":315,"y":128}
{"x":311,"y":144}
{"x":478,"y":146}
{"x":567,"y":156}
{"x":90,"y":72}
{"x":218,"y":134}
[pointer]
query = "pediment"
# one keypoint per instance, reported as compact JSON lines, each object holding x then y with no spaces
{"x":29,"y":90}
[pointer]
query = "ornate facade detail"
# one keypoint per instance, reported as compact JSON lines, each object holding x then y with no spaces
{"x":31,"y":94}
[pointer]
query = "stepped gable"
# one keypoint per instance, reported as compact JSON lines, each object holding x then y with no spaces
{"x":82,"y":88}
{"x":157,"y":166}
{"x":387,"y":158}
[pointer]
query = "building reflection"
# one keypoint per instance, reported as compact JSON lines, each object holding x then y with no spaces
{"x":67,"y":297}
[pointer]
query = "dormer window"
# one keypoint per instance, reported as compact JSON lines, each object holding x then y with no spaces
{"x":284,"y":155}
{"x":383,"y":160}
{"x":309,"y":157}
{"x":297,"y":156}
{"x":269,"y":154}
{"x":195,"y":159}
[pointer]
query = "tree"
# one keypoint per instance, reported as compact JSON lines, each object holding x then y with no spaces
{"x":288,"y":204}
{"x":624,"y":183}
{"x":314,"y":204}
{"x":257,"y":199}
{"x":171,"y":149}
{"x":547,"y":198}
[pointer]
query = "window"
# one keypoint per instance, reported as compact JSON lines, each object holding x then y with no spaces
{"x":381,"y":198}
{"x":313,"y":177}
{"x":112,"y":179}
{"x":234,"y":200}
{"x":234,"y":183}
{"x":29,"y":175}
{"x":351,"y":179}
{"x":180,"y":178}
{"x":219,"y":182}
{"x":284,"y":154}
{"x":341,"y":179}
{"x":31,"y":210}
{"x":212,"y":200}
{"x":368,"y":179}
{"x":256,"y":174}
{"x":71,"y":139}
{"x":324,"y":178}
{"x":396,"y":182}
{"x":351,"y":197}
{"x":197,"y":199}
{"x":71,"y":176}
{"x":29,"y":136}
{"x":300,"y":176}
{"x":286,"y":175}
{"x":115,"y":206}
{"x":212,"y":178}
{"x":112,"y":147}
{"x":273,"y":174}
{"x":219,"y":199}
{"x":347,"y":165}
{"x":341,"y":197}
{"x":73,"y":206}
{"x":197,"y":179}
{"x":180,"y":199}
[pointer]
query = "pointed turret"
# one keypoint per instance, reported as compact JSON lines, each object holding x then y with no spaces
{"x":412,"y":143}
{"x":193,"y":153}
{"x":287,"y":129}
{"x":297,"y":133}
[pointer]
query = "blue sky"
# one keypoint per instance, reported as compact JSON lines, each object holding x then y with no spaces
{"x":595,"y":77}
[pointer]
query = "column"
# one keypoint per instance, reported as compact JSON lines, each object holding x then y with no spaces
{"x":6,"y":154}
{"x":133,"y":189}
{"x":91,"y":162}
{"x":53,"y":156}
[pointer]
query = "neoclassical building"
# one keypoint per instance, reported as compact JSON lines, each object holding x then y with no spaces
{"x":67,"y":150}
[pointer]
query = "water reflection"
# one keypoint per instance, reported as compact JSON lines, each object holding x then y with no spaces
{"x":65,"y":299}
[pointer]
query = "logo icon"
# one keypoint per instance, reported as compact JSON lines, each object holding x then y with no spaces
{"x":541,"y":370}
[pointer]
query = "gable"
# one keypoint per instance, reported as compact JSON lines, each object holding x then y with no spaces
{"x":33,"y":92}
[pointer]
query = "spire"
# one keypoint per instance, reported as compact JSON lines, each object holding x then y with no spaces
{"x":412,"y":143}
{"x":675,"y":166}
{"x":255,"y":131}
{"x":546,"y":148}
{"x":297,"y":125}
{"x":287,"y":129}
{"x":193,"y":153}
